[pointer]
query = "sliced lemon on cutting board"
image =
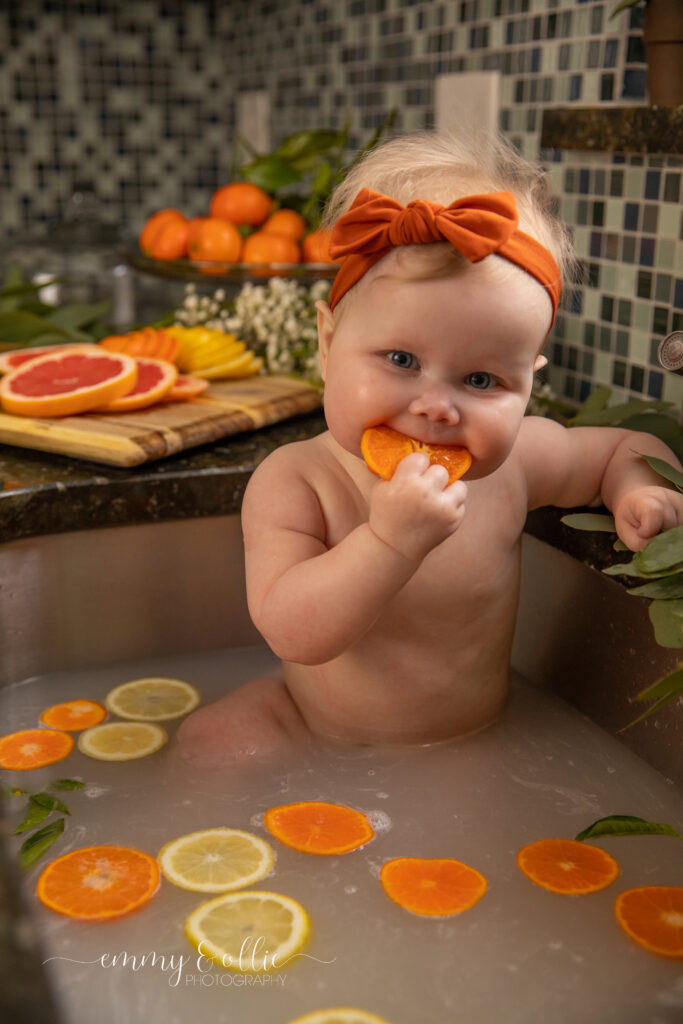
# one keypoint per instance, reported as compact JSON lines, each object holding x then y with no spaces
{"x":251,"y":932}
{"x":121,"y":741}
{"x":216,"y":860}
{"x":340,"y":1015}
{"x":152,"y":700}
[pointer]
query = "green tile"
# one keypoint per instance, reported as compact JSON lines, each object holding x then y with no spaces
{"x":666,"y":254}
{"x":635,"y":182}
{"x":642,"y":316}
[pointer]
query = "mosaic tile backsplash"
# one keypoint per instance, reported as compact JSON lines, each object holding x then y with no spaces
{"x":140,"y":101}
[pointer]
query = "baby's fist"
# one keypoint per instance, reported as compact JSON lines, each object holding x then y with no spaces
{"x":644,"y":513}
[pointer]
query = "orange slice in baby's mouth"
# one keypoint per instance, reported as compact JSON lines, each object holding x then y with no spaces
{"x":383,"y":448}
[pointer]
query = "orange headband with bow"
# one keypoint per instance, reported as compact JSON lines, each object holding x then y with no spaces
{"x":476,"y":226}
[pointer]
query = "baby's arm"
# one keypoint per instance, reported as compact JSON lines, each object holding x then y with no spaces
{"x":312,"y":601}
{"x":588,"y":465}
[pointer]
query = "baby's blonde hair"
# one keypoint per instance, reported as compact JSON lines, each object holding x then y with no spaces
{"x":443,"y":168}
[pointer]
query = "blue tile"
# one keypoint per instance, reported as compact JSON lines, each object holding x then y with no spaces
{"x":655,"y":383}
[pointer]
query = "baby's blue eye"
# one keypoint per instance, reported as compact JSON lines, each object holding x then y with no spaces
{"x":404,"y":360}
{"x":480,"y":380}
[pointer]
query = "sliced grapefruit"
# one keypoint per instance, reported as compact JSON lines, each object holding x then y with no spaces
{"x":155,"y":379}
{"x":67,"y":382}
{"x":383,"y":448}
{"x":185,"y":387}
{"x":18,"y":356}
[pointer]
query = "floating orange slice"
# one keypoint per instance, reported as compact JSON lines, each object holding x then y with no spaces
{"x":567,"y":866}
{"x":432,"y":887}
{"x":34,"y":748}
{"x":155,"y":379}
{"x":74,"y":715}
{"x":314,"y":826}
{"x":383,"y":448}
{"x":652,"y":916}
{"x":98,"y":882}
{"x":67,"y":382}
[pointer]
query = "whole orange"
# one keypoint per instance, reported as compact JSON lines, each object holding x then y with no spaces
{"x":242,"y":203}
{"x":193,"y":226}
{"x":215,"y":239}
{"x":315,"y":247}
{"x":153,"y":225}
{"x":168,"y":240}
{"x":286,"y":222}
{"x":268,"y":247}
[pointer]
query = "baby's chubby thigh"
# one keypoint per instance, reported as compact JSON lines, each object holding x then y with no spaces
{"x":256,"y":722}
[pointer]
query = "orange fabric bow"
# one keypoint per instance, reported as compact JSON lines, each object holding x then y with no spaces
{"x":476,"y":226}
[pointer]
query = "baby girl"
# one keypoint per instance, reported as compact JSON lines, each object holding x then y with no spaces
{"x":392,"y":603}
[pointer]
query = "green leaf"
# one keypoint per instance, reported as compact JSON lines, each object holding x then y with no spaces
{"x":659,"y":424}
{"x":589,"y":521}
{"x":51,"y":803}
{"x":669,"y":472}
{"x":667,"y":588}
{"x":14,"y":277}
{"x":37,"y":844}
{"x":18,"y":327}
{"x":626,"y":825}
{"x":616,"y":414}
{"x":597,"y":400}
{"x":665,"y":551}
{"x":667,"y":619}
{"x":668,"y":686}
{"x":34,"y":815}
{"x":646,"y":714}
{"x":624,"y":5}
{"x":306,"y":144}
{"x":62,"y":784}
{"x":270,"y":173}
{"x":78,"y":315}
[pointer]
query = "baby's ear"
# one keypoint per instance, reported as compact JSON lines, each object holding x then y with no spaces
{"x":539,"y":363}
{"x":325,"y":332}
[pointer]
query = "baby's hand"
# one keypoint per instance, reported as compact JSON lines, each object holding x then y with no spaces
{"x":644,"y":513}
{"x":416,"y":509}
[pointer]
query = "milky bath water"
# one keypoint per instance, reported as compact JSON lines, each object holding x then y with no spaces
{"x":521,"y":955}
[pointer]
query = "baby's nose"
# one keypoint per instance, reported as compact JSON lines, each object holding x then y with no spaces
{"x":436,"y":403}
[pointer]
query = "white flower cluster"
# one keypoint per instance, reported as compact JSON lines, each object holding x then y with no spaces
{"x":276,"y":319}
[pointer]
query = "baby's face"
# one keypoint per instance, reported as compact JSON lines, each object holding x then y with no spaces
{"x":446,"y":361}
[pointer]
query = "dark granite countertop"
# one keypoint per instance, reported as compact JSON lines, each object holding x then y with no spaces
{"x":43,"y":493}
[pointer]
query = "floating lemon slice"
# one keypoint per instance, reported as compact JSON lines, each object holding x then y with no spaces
{"x":251,"y":932}
{"x":152,"y":700}
{"x":340,"y":1015}
{"x":121,"y":741}
{"x":215,"y":860}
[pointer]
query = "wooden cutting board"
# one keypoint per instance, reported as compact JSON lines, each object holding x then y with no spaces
{"x":131,"y":438}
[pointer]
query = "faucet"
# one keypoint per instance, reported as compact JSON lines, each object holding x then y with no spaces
{"x":670,"y":352}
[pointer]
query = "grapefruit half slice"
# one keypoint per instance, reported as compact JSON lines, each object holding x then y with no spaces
{"x":185,"y":387}
{"x":383,"y":448}
{"x":18,"y":356}
{"x":156,"y":377}
{"x":67,"y":382}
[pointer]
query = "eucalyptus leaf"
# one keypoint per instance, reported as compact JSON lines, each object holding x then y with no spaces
{"x":306,"y":144}
{"x":17,"y":327}
{"x":669,"y":473}
{"x":37,"y":844}
{"x":659,"y":424}
{"x":14,"y":277}
{"x":668,"y":686}
{"x":626,"y":825}
{"x":665,"y":551}
{"x":667,"y":619}
{"x":646,"y":714}
{"x":10,"y":791}
{"x":597,"y":400}
{"x":22,"y":288}
{"x":63,"y":784}
{"x":78,"y":315}
{"x":590,"y":521}
{"x":632,"y":568}
{"x":667,"y":588}
{"x":270,"y":173}
{"x":616,"y":414}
